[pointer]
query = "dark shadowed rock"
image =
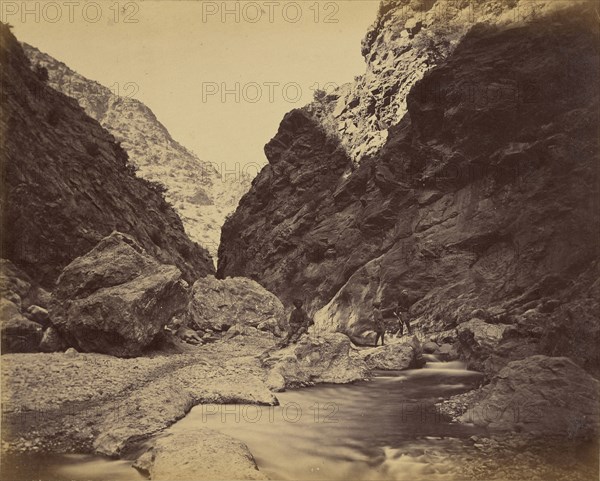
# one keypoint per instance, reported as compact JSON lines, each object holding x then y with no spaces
{"x":38,"y":314}
{"x":18,"y":333}
{"x":430,"y":347}
{"x":52,"y":341}
{"x":219,"y":304}
{"x":116,"y":298}
{"x":73,"y":185}
{"x":461,"y":206}
{"x":542,"y":395}
{"x":447,"y":352}
{"x":18,"y":287}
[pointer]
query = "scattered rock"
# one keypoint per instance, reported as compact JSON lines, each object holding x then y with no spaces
{"x":430,"y":347}
{"x":275,"y":381}
{"x":19,"y":334}
{"x":241,"y":330}
{"x":447,"y":352}
{"x":71,"y":352}
{"x":38,"y":314}
{"x":144,"y":462}
{"x":52,"y":341}
{"x":116,"y":298}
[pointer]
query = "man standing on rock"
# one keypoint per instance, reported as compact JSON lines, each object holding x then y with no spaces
{"x":298,"y":324}
{"x":378,"y":323}
{"x":402,"y":312}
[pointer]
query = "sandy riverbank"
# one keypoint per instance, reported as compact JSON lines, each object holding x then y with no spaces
{"x":96,"y":403}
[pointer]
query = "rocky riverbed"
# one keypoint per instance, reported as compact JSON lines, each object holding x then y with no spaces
{"x":93,"y":403}
{"x":75,"y":402}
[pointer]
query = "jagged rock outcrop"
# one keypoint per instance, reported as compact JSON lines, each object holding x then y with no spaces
{"x":67,"y":184}
{"x":541,"y":395}
{"x":200,"y":193}
{"x":484,"y":196}
{"x":218,"y":304}
{"x":116,"y":299}
{"x":407,"y":39}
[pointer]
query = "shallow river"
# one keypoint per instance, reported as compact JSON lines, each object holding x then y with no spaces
{"x":385,"y":429}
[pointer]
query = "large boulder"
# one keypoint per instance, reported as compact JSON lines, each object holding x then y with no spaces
{"x":318,"y":359}
{"x":116,"y":298}
{"x":198,"y":455}
{"x":393,"y":357}
{"x":541,"y":395}
{"x":218,"y":304}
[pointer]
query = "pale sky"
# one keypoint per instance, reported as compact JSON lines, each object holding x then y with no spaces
{"x":180,"y":55}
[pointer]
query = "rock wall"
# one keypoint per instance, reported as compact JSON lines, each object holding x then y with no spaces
{"x":198,"y":191}
{"x":67,"y":183}
{"x":485,"y":195}
{"x":407,"y":39}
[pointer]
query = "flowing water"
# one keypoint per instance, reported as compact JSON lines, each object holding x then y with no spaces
{"x":384,"y":429}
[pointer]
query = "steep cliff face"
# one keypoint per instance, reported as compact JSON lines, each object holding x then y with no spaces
{"x":408,"y":38}
{"x":485,"y":195}
{"x":200,"y":194}
{"x":66,"y":184}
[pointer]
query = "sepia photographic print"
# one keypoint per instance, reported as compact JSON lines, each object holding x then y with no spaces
{"x":300,"y":240}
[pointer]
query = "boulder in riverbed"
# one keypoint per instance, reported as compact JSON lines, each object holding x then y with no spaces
{"x":218,"y":304}
{"x":196,"y":455}
{"x":116,"y":298}
{"x":318,"y":359}
{"x":393,"y":357}
{"x":541,"y":395}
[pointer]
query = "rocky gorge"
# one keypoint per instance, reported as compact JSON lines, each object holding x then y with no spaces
{"x":481,"y":203}
{"x":462,"y":167}
{"x":199,"y":191}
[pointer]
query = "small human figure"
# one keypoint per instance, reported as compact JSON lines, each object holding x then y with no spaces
{"x":401,"y":312}
{"x":378,"y":323}
{"x":299,"y":323}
